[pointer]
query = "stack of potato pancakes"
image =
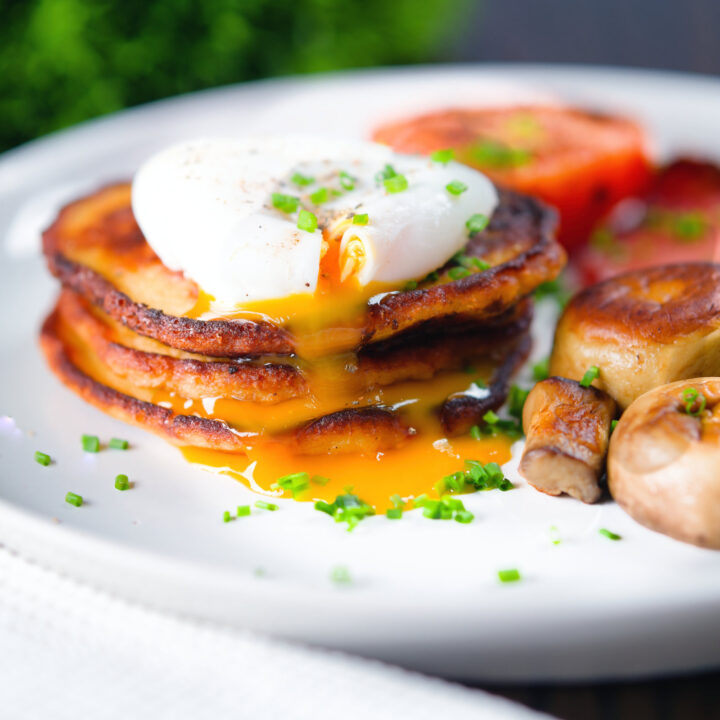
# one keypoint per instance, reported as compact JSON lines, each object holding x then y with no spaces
{"x":127,"y":336}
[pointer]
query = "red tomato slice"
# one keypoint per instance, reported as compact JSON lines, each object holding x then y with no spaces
{"x":678,"y":220}
{"x":580,"y":162}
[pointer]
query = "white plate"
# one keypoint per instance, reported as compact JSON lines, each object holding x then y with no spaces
{"x":425,"y":594}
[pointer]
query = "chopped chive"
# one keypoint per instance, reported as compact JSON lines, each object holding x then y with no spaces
{"x":340,"y":575}
{"x":469,"y":261}
{"x":432,"y":509}
{"x":464,"y":517}
{"x":509,"y":575}
{"x":420,"y":500}
{"x":266,"y":505}
{"x":476,"y":223}
{"x":74,"y":499}
{"x":591,"y":374}
{"x":360,"y":219}
{"x":490,"y":417}
{"x":347,"y":508}
{"x":294,"y":481}
{"x":613,"y":425}
{"x":227,"y":517}
{"x":541,"y":370}
{"x":387,"y":172}
{"x":394,"y":513}
{"x":319,"y":196}
{"x":325,"y":507}
{"x":347,"y":181}
{"x":456,"y":187}
{"x":42,"y":458}
{"x":689,"y":226}
{"x":609,"y":534}
{"x":433,"y":276}
{"x":118,"y":444}
{"x":122,"y":482}
{"x":454,"y":482}
{"x":486,"y":477}
{"x":410,"y":285}
{"x":307,"y":221}
{"x":554,"y":534}
{"x":443,"y":156}
{"x":516,"y":400}
{"x":243,"y":510}
{"x":397,"y":501}
{"x":90,"y":443}
{"x":497,"y":155}
{"x":396,"y":184}
{"x":302,"y":180}
{"x":319,"y":480}
{"x":479,"y":264}
{"x":695,"y":402}
{"x":286,"y":203}
{"x":457,"y":273}
{"x":475,"y":433}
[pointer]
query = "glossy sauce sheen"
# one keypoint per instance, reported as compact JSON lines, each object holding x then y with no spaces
{"x":410,"y":470}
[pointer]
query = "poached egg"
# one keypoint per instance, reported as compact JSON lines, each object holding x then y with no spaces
{"x":237,"y":216}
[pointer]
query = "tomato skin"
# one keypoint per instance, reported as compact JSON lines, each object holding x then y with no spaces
{"x":580,"y":162}
{"x":677,"y":220}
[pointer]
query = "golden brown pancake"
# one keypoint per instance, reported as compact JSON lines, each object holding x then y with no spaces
{"x":351,"y":430}
{"x":643,"y":329}
{"x":147,"y":363}
{"x":96,"y":248}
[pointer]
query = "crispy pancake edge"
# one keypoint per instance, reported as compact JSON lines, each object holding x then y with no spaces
{"x":417,"y":358}
{"x":368,"y":429}
{"x":484,"y":295}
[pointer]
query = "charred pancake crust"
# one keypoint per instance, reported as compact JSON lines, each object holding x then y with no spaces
{"x":351,"y":431}
{"x":218,"y":338}
{"x":458,"y":414}
{"x":417,"y":358}
{"x":520,"y":227}
{"x":190,"y":377}
{"x":518,"y":241}
{"x":657,"y":305}
{"x":362,"y":430}
{"x":178,"y":429}
{"x":356,"y":430}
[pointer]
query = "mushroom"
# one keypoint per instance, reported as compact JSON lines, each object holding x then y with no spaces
{"x":664,"y":461}
{"x":567,"y":427}
{"x":642,"y":329}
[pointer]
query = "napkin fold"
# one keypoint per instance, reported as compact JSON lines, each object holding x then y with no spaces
{"x":69,"y":651}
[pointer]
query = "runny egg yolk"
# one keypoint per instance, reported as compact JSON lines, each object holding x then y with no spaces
{"x":408,"y":471}
{"x":416,"y":467}
{"x":321,"y":322}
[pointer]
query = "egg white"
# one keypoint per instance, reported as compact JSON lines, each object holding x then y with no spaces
{"x":205,"y":208}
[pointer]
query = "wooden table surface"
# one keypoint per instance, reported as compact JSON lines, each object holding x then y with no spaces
{"x":695,"y":697}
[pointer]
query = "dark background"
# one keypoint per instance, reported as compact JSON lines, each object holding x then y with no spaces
{"x":63,"y":61}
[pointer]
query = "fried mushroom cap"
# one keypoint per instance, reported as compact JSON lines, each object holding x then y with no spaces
{"x":664,"y":459}
{"x":643,"y":329}
{"x":567,"y":428}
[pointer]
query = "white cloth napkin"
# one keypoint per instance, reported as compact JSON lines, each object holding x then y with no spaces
{"x":69,"y":651}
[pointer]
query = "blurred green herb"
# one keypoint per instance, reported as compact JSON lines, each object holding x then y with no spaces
{"x":63,"y":61}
